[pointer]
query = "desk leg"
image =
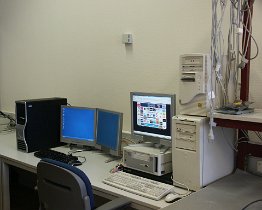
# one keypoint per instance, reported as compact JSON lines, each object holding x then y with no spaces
{"x":5,"y":186}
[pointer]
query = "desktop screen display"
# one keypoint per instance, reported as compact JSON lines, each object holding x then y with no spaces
{"x":78,"y":125}
{"x":152,"y":114}
{"x":109,"y":131}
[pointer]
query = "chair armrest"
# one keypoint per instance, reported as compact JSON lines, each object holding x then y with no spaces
{"x":115,"y":204}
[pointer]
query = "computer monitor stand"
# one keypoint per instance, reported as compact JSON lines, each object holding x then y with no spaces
{"x":80,"y":148}
{"x":144,"y":144}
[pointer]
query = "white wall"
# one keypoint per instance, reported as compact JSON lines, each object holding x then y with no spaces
{"x":73,"y":49}
{"x":256,"y":65}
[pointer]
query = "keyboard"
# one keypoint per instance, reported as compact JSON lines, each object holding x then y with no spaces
{"x":55,"y":155}
{"x":138,"y":185}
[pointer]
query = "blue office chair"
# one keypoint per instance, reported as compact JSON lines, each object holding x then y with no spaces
{"x":65,"y":187}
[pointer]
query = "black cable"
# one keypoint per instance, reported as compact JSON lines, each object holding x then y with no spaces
{"x":12,"y":120}
{"x":78,"y":156}
{"x":251,"y":203}
{"x":7,"y":116}
{"x":71,"y":152}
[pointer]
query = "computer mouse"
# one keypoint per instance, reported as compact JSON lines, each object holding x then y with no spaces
{"x":171,"y":197}
{"x":75,"y":163}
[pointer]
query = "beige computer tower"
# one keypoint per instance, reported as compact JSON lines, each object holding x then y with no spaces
{"x":198,"y":161}
{"x":194,"y":70}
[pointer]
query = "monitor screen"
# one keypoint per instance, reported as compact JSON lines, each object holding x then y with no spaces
{"x":78,"y":125}
{"x":152,"y":114}
{"x":109,"y":131}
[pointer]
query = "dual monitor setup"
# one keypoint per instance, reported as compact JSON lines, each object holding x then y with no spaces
{"x":92,"y":127}
{"x":151,"y":116}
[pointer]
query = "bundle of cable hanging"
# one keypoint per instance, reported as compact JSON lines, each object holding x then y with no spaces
{"x":8,"y":123}
{"x":225,"y":67}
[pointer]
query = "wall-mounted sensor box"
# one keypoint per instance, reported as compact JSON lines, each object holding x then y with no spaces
{"x":127,"y":39}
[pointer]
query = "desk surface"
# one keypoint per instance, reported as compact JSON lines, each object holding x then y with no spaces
{"x":232,"y":192}
{"x":95,"y":168}
{"x":255,"y":116}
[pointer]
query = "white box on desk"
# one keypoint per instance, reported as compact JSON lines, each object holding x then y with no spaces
{"x":147,"y":159}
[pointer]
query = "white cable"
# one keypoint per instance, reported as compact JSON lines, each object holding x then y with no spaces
{"x":217,"y":42}
{"x":181,"y":184}
{"x":224,"y":82}
{"x":255,"y":42}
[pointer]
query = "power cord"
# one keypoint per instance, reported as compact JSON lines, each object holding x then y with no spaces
{"x":12,"y":120}
{"x":251,"y":203}
{"x":181,"y":184}
{"x":71,"y":152}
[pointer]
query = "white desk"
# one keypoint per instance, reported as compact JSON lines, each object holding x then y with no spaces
{"x":230,"y":193}
{"x":95,"y":168}
{"x":249,"y":121}
{"x":255,"y":117}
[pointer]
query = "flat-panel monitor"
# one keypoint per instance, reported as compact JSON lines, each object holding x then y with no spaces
{"x":78,"y":125}
{"x":109,"y":131}
{"x":151,"y":116}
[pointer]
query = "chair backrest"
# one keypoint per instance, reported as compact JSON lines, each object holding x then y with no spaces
{"x":63,"y":187}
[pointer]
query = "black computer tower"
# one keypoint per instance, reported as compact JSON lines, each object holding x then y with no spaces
{"x":38,"y":123}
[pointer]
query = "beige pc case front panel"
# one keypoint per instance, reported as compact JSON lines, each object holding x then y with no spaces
{"x":193,"y":85}
{"x":196,"y":160}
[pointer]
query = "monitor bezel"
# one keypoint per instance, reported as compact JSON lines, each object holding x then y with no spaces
{"x":86,"y":142}
{"x":103,"y":148}
{"x":155,"y":138}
